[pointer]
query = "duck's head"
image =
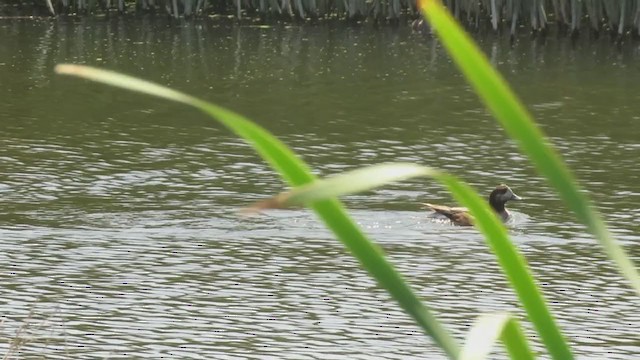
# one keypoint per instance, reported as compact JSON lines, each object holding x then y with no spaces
{"x":500,"y":195}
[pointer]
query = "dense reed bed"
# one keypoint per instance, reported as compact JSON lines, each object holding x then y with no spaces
{"x":616,"y":17}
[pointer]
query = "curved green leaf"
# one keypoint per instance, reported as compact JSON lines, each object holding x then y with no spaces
{"x":512,"y":262}
{"x":516,"y":120}
{"x":345,"y":183}
{"x":295,"y":172}
{"x":490,"y":328}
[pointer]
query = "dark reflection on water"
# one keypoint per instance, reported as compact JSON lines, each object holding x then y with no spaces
{"x":119,"y":227}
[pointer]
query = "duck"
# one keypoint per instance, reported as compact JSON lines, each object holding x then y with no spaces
{"x":497,"y":199}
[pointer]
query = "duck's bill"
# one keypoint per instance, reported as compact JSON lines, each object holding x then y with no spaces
{"x":516,"y":197}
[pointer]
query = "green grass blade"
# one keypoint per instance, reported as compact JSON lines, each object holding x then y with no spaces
{"x":508,"y":110}
{"x":274,"y":151}
{"x":490,"y":328}
{"x":295,"y":172}
{"x":499,"y":98}
{"x":515,"y":341}
{"x":512,"y":262}
{"x":346,"y":183}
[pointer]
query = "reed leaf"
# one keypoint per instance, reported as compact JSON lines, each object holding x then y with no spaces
{"x":512,"y":262}
{"x":296,"y":173}
{"x":346,"y":183}
{"x":50,"y":7}
{"x":515,"y":119}
{"x":300,"y":8}
{"x":494,"y":15}
{"x":520,"y":126}
{"x":623,"y":9}
{"x":490,"y":328}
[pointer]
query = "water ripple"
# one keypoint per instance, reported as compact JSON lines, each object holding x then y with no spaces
{"x":120,"y":229}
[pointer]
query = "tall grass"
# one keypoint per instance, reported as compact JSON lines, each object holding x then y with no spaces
{"x":297,"y":173}
{"x":501,"y":15}
{"x":519,"y":124}
{"x":321,"y":195}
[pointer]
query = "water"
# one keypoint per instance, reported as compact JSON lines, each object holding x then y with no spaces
{"x":119,"y":224}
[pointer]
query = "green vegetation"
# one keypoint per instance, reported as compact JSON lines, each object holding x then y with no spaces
{"x":520,"y":126}
{"x":321,"y":195}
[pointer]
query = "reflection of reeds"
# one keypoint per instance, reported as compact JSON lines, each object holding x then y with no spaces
{"x":19,"y":339}
{"x":599,"y":15}
{"x":30,"y":331}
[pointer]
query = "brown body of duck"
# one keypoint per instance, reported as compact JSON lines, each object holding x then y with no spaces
{"x":497,"y":199}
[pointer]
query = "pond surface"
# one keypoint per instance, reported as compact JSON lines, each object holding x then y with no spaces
{"x":119,"y":226}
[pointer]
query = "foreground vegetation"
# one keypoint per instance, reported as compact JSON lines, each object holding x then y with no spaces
{"x":321,"y":195}
{"x":601,"y":16}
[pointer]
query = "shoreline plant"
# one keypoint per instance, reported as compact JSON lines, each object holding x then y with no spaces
{"x":618,"y":18}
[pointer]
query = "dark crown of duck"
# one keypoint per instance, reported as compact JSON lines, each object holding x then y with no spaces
{"x":500,"y":196}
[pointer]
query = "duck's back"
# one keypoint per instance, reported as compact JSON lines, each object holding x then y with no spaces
{"x":458,"y":215}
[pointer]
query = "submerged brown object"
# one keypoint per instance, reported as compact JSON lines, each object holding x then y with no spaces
{"x":497,"y":199}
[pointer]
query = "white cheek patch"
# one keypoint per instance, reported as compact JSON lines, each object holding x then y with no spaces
{"x":508,"y":195}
